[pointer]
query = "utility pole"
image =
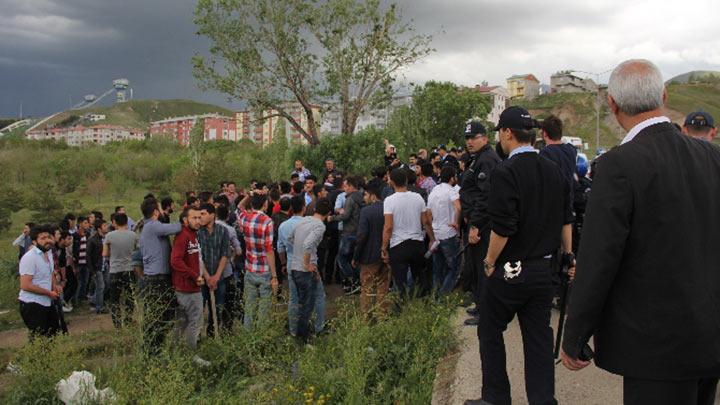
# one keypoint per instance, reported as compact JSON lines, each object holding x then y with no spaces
{"x":597,"y":104}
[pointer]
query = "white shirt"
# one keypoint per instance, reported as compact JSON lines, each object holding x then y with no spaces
{"x":33,"y":264}
{"x":406,"y":208}
{"x":440,"y":203}
{"x":639,"y":127}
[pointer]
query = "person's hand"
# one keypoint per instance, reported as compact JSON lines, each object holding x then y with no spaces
{"x":274,"y":284}
{"x":353,"y":263}
{"x":385,"y":255}
{"x":474,"y":235}
{"x":53,"y":295}
{"x":455,"y":226}
{"x":200,"y":281}
{"x":59,"y":289}
{"x":572,"y":364}
{"x":212,"y":283}
{"x":571,"y":272}
{"x":283,"y":268}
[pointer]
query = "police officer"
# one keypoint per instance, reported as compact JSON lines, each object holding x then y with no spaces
{"x":474,"y":188}
{"x":530,"y":213}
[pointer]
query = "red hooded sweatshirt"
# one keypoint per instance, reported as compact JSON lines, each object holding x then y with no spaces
{"x":185,"y":261}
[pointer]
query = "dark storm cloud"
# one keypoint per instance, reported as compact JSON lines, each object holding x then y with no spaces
{"x":52,"y":50}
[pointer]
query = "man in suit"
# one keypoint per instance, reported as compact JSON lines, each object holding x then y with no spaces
{"x":647,"y":286}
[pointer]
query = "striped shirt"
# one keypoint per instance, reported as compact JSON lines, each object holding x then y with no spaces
{"x":82,"y":251}
{"x":213,"y":246}
{"x":258,"y":230}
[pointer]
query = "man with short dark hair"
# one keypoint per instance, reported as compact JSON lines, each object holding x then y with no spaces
{"x":187,"y":279}
{"x":305,"y":239}
{"x":474,"y":195}
{"x":80,"y":239}
{"x":563,"y":154}
{"x":309,"y":187}
{"x":374,"y":274}
{"x":232,"y":295}
{"x":300,"y":170}
{"x":700,"y":125}
{"x":445,"y":157}
{"x":444,"y":212}
{"x":118,"y":247}
{"x":425,"y":179}
{"x":97,"y":265}
{"x":260,"y":273}
{"x":330,"y":168}
{"x":37,"y":288}
{"x":402,"y":245}
{"x":214,"y":250}
{"x":349,"y":215}
{"x":167,"y":207}
{"x":530,"y":213}
{"x":130,"y":223}
{"x":156,"y":287}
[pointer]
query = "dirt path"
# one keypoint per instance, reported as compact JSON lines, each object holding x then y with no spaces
{"x":589,"y":386}
{"x":83,"y":321}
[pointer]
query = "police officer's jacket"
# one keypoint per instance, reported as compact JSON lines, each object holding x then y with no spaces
{"x":475,"y":186}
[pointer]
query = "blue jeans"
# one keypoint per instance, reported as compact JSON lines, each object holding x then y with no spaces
{"x":305,"y":285}
{"x":344,"y":259}
{"x":219,"y":304}
{"x":102,"y":281}
{"x":293,"y":306}
{"x":446,"y":265}
{"x":257,"y":297}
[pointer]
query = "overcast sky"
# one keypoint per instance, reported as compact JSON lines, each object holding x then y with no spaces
{"x":52,"y":51}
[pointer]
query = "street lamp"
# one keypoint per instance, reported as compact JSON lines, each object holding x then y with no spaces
{"x":597,"y":104}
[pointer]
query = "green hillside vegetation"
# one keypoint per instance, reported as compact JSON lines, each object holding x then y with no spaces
{"x":138,"y":113}
{"x":697,"y":76}
{"x":578,"y":112}
{"x":687,"y":98}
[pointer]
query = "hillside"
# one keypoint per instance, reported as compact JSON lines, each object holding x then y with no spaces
{"x":138,"y":113}
{"x":577,"y":110}
{"x":701,"y":76}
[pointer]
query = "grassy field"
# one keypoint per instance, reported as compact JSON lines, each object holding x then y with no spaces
{"x":139,"y":113}
{"x":686,"y":98}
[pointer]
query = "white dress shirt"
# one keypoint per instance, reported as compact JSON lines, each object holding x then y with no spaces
{"x":639,"y":127}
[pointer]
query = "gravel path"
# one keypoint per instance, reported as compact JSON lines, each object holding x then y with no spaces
{"x":588,"y":387}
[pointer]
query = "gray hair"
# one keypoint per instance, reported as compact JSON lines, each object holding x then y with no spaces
{"x":637,"y":86}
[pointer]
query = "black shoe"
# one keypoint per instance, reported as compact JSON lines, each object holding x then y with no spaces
{"x":472,"y":321}
{"x":473,"y":311}
{"x":476,"y":402}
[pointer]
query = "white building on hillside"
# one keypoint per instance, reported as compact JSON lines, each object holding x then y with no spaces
{"x":500,"y":98}
{"x":331,"y":123}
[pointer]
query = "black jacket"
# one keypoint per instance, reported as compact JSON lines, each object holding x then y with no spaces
{"x":475,"y":186}
{"x":369,"y":234}
{"x":351,"y":213}
{"x":647,"y":284}
{"x":94,"y":253}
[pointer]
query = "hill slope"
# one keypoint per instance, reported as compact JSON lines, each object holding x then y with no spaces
{"x":577,"y":110}
{"x":701,"y":76}
{"x":138,"y":113}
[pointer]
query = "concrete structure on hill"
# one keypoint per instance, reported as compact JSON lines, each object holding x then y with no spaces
{"x":378,"y":118}
{"x":262,"y":128}
{"x":217,"y":127}
{"x":499,"y":96}
{"x":525,"y":86}
{"x":566,"y":82}
{"x":81,"y":135}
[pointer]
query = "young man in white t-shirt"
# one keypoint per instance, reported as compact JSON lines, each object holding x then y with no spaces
{"x":444,"y":211}
{"x":402,"y":245}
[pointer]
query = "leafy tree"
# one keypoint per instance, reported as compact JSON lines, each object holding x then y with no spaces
{"x":277,"y":151}
{"x":196,"y":152}
{"x":266,"y":59}
{"x":46,"y":206}
{"x":96,"y":186}
{"x":366,"y":46}
{"x":437,"y":114}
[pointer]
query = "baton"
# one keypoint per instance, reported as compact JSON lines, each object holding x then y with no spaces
{"x":564,"y":286}
{"x":213,"y":310}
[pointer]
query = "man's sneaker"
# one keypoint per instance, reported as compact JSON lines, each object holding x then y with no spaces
{"x":472,"y":311}
{"x":67,"y":308}
{"x":200,"y":361}
{"x":474,"y":321}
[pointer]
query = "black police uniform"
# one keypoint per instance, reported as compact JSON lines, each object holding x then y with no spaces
{"x":474,"y":188}
{"x":529,"y":204}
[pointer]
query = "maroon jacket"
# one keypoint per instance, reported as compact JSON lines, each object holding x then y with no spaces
{"x":185,"y":261}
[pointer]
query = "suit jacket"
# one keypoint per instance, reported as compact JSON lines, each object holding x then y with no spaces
{"x":648,"y":284}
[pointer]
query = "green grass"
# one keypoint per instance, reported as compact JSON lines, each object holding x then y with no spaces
{"x":139,"y":113}
{"x":686,"y":98}
{"x":392,"y":361}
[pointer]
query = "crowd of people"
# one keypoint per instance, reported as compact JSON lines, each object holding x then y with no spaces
{"x":499,"y":223}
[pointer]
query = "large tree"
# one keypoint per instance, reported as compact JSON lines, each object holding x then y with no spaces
{"x":260,"y":54}
{"x":365,"y":46}
{"x":438,"y":114}
{"x":270,"y":52}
